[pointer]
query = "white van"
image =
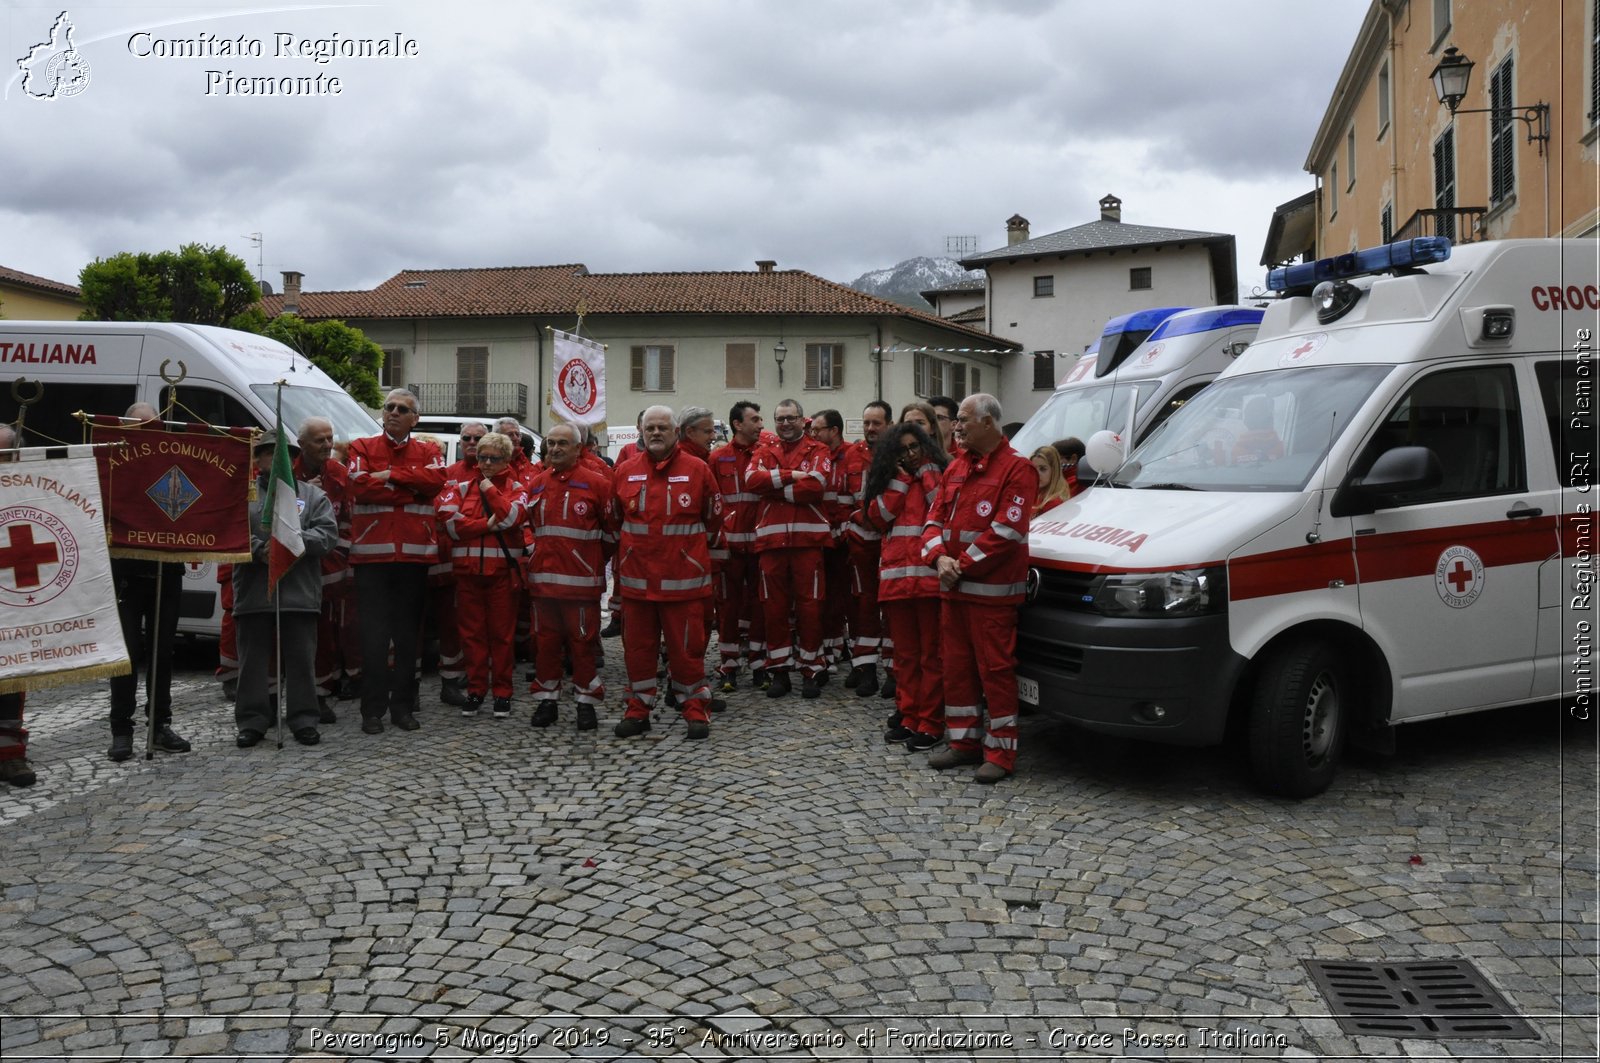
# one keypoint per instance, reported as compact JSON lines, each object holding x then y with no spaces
{"x":1178,"y":357}
{"x":228,"y":378}
{"x":1380,"y":513}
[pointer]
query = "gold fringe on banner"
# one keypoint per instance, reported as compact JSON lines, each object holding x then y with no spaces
{"x":66,"y":678}
{"x":180,"y":559}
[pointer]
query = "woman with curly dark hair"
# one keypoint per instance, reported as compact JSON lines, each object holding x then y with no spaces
{"x":906,"y":467}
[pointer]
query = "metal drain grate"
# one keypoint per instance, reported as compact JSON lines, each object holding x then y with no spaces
{"x":1434,"y":999}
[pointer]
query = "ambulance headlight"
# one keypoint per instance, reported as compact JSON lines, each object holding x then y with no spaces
{"x":1189,"y":592}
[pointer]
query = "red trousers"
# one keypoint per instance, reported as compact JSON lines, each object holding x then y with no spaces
{"x":866,"y":625}
{"x":837,"y":609}
{"x":445,"y":614}
{"x":332,"y":651}
{"x":566,"y":626}
{"x":681,"y":624}
{"x":741,"y":624}
{"x":485,"y":631}
{"x":913,"y":623}
{"x":791,"y":585}
{"x":979,"y":646}
{"x":228,"y":639}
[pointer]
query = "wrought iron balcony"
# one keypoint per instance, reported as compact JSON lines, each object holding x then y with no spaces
{"x":466,"y":400}
{"x":1460,"y":225}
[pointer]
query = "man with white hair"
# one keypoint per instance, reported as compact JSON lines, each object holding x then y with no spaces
{"x":976,"y":538}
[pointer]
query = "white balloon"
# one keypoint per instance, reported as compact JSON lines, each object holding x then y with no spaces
{"x":1104,"y":451}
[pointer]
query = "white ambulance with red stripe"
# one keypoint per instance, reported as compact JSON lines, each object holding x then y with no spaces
{"x":1379,"y":514}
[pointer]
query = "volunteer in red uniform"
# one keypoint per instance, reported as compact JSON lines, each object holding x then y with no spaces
{"x":907,"y":465}
{"x":740,"y":625}
{"x":569,"y":512}
{"x":827,"y":428}
{"x":314,"y":467}
{"x":669,"y":510}
{"x":393,"y":540}
{"x":625,"y":453}
{"x":866,"y":621}
{"x":482,"y":514}
{"x":791,"y":477}
{"x":977,"y":540}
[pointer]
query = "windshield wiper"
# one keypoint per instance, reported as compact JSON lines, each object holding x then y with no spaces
{"x":1170,"y":487}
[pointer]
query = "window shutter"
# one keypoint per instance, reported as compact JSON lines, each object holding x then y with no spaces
{"x":838,"y":365}
{"x":813,"y":372}
{"x":1502,"y":134}
{"x":669,"y":359}
{"x":739,"y":366}
{"x":636,"y":368}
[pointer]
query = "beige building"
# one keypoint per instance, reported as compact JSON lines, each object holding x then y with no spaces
{"x":477,"y":341}
{"x":1392,"y":161}
{"x":25,"y":297}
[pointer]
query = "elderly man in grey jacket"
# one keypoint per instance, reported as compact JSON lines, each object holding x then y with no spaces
{"x":298,"y":597}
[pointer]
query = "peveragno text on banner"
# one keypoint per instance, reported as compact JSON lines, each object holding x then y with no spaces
{"x":319,"y":51}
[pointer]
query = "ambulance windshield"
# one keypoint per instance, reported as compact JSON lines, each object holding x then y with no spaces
{"x":1260,"y":432}
{"x":1080,"y":412}
{"x":350,"y":421}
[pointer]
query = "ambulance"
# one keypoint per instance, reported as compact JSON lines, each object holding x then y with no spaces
{"x":1379,"y":514}
{"x":223,"y":377}
{"x":1180,"y":353}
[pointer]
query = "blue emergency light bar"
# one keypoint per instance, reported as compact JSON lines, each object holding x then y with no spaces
{"x":1418,"y":251}
{"x":1138,"y":321}
{"x":1210,"y":319}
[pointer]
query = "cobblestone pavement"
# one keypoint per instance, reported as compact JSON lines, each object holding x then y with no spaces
{"x":790,"y":888}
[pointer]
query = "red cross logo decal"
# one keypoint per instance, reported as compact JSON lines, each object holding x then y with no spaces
{"x":1459,"y":576}
{"x":24,"y":556}
{"x":1305,"y":348}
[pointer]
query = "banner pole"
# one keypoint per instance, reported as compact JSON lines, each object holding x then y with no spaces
{"x":150,"y":684}
{"x":277,"y":599}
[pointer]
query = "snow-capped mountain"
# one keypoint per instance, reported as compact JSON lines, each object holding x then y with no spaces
{"x":904,"y":283}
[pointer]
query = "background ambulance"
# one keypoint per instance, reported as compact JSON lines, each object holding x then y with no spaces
{"x":229,"y":378}
{"x":1380,"y":513}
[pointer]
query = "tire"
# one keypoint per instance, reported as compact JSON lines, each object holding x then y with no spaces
{"x":1303,"y":704}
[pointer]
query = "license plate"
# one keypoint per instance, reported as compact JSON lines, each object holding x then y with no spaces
{"x":1028,"y":689}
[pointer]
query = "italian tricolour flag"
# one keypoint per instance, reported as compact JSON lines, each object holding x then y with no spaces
{"x":286,"y":545}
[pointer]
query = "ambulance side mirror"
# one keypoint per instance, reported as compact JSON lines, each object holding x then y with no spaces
{"x":1397,"y":469}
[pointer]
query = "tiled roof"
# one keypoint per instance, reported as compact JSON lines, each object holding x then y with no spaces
{"x":1095,"y":236}
{"x":511,"y":291}
{"x":43,"y":284}
{"x":969,"y":317}
{"x":972,"y":284}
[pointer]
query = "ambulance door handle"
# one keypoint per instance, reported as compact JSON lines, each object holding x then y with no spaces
{"x":1523,"y":512}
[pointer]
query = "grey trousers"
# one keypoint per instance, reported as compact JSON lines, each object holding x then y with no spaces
{"x":253,"y":710}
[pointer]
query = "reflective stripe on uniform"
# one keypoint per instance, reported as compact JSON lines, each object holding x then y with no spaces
{"x":989,"y":590}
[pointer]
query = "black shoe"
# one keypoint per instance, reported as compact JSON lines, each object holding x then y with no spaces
{"x":897,"y":734}
{"x":759,"y":678}
{"x":699,"y":729}
{"x":586,"y":718}
{"x":823,"y":677}
{"x":451,"y":692}
{"x":887,"y":690}
{"x":167,"y":741}
{"x":18,"y":772}
{"x":307,"y":736}
{"x":893,"y":720}
{"x":372,"y":725}
{"x":612,"y":629}
{"x":810,"y":688}
{"x":729,"y":683}
{"x":868,"y":685}
{"x":502,"y":708}
{"x":779,"y":685}
{"x":718,"y":705}
{"x":629,"y":726}
{"x":247,"y":738}
{"x":325,"y":713}
{"x":121,"y":747}
{"x":544,"y":714}
{"x":853,"y":678}
{"x":349,"y":689}
{"x":405,"y":721}
{"x":474,"y":703}
{"x":921,"y":743}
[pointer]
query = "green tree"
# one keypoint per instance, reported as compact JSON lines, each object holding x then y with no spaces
{"x":344,"y":353}
{"x":196,"y":284}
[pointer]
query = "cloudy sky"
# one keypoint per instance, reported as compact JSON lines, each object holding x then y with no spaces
{"x":833,"y":135}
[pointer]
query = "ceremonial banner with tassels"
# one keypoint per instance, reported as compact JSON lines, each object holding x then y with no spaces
{"x":175,"y":492}
{"x":58,"y":608}
{"x":579,"y":393}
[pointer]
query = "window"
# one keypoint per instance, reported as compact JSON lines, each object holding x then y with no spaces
{"x":976,"y":386}
{"x":1383,"y":99}
{"x":1350,"y":159}
{"x":921,"y":367}
{"x":739,"y":367}
{"x":958,"y":381}
{"x":208,"y":405}
{"x":50,"y":420}
{"x":1502,"y":136}
{"x":1568,"y":416}
{"x":1044,"y":370}
{"x":1444,"y":183}
{"x":472,"y":380}
{"x":1044,"y":287}
{"x":650,"y":368}
{"x":1139,"y":278}
{"x":824,"y":366}
{"x":1333,"y":191}
{"x":393,"y":374}
{"x":938,"y":376}
{"x":1441,"y":20}
{"x":1386,"y":223}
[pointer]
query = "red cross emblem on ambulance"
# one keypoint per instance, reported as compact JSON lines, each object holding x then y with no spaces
{"x":1458,"y":577}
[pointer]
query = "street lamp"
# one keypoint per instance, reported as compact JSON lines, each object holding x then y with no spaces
{"x":779,"y":353}
{"x":1450,"y":79}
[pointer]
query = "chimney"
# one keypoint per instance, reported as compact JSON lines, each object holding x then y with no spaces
{"x":291,"y":291}
{"x":1110,"y":208}
{"x":1016,"y":230}
{"x":766,"y":265}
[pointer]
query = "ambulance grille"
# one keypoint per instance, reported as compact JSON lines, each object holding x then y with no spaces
{"x":1434,"y":999}
{"x":1064,"y":590}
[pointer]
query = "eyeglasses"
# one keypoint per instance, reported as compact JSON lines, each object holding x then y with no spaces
{"x":944,"y":417}
{"x":397,"y":407}
{"x":493,"y":458}
{"x":470,"y":439}
{"x":785,"y":420}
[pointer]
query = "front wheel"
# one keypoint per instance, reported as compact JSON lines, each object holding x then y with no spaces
{"x":1297,"y":719}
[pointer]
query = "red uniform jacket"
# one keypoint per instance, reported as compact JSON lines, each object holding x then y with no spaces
{"x":791,"y":480}
{"x":730,"y":464}
{"x":483,"y":526}
{"x":394,"y":521}
{"x":980,"y":518}
{"x":570,"y":516}
{"x":335,"y":482}
{"x":898,"y":515}
{"x":667,"y":513}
